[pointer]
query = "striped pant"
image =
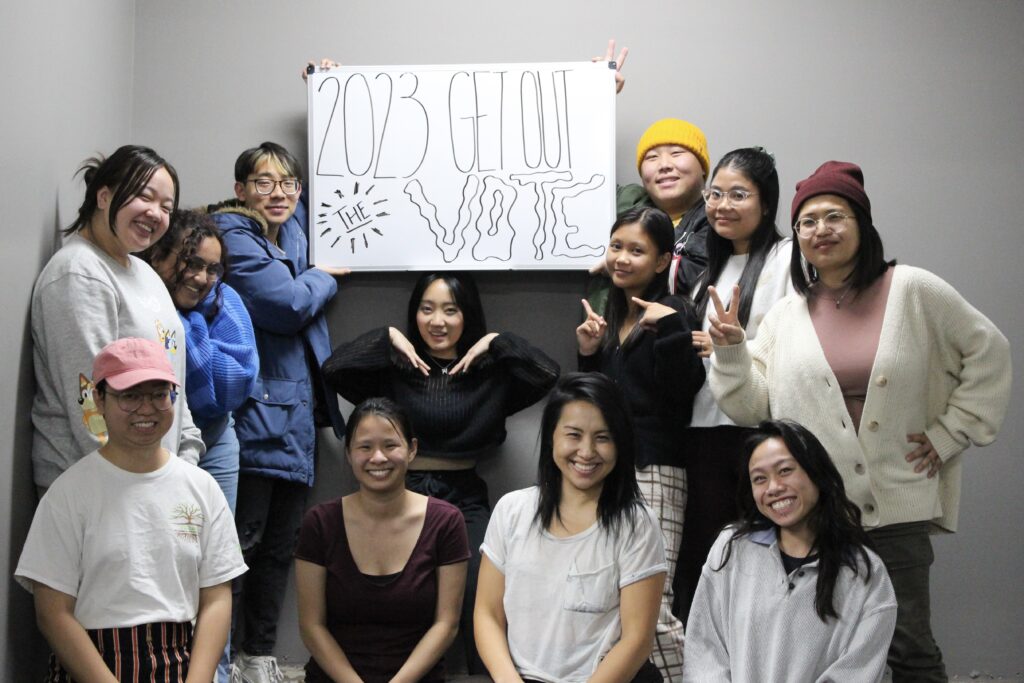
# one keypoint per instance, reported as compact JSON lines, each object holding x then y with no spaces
{"x":147,"y":653}
{"x":664,"y":490}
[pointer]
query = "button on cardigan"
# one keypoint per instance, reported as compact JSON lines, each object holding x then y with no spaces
{"x":942,"y":368}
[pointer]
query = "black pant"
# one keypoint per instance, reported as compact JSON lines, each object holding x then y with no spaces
{"x":906,"y":550}
{"x":467,"y":491}
{"x":714,"y":468}
{"x":268,"y":515}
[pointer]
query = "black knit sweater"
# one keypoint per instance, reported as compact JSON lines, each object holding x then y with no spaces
{"x":453,"y":416}
{"x":659,"y":374}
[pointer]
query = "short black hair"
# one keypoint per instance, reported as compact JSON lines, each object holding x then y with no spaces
{"x":249,"y":159}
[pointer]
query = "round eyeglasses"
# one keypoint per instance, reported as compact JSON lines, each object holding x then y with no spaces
{"x":834,"y":221}
{"x":714,"y":196}
{"x":131,"y":400}
{"x":266,"y":186}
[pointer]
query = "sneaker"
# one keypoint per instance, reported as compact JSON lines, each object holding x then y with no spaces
{"x":258,"y":669}
{"x":235,"y":674}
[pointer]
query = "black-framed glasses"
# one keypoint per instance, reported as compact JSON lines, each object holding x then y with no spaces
{"x":131,"y":400}
{"x":194,"y":264}
{"x":834,"y":221}
{"x":714,"y":196}
{"x":266,"y":185}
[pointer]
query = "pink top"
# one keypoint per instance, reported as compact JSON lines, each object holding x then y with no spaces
{"x":849,"y":325}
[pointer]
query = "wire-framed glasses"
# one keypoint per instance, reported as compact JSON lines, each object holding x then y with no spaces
{"x":131,"y":400}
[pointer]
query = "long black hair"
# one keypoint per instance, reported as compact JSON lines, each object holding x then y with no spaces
{"x":467,"y":298}
{"x":658,"y":227}
{"x":187,"y":231}
{"x":839,"y":538}
{"x":758,"y":166}
{"x":620,"y":494}
{"x":126,"y":172}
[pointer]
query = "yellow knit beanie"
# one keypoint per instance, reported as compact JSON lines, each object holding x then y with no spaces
{"x":674,"y":132}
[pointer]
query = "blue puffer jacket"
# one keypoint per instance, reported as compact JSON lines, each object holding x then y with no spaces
{"x":286,"y":300}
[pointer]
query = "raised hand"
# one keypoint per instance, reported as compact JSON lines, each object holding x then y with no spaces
{"x":925,"y":453}
{"x":324,"y":65}
{"x":653,"y":312}
{"x":482,"y":346}
{"x":725,"y":324}
{"x":599,"y":268}
{"x":404,"y":347}
{"x":591,"y":332}
{"x":609,"y":55}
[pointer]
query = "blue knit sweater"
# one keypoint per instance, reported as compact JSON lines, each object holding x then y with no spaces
{"x":222,"y":358}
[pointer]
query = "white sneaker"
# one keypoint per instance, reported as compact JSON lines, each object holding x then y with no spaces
{"x":235,"y":674}
{"x":258,"y":669}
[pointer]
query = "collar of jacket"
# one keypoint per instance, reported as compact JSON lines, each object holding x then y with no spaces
{"x":236,"y":206}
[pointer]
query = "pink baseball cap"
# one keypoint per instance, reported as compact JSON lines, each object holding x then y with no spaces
{"x":130,"y":361}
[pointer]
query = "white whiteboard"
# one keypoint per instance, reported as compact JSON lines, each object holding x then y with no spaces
{"x":477,"y":167}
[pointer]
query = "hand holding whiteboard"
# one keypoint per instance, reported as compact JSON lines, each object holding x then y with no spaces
{"x":462,"y":167}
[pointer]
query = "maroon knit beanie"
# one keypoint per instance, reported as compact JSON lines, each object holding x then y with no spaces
{"x":840,"y":178}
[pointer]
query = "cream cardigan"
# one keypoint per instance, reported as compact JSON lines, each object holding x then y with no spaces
{"x":942,"y":368}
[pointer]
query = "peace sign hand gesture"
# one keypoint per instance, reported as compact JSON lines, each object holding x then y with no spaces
{"x":591,"y":332}
{"x":725,"y":325}
{"x":620,"y":80}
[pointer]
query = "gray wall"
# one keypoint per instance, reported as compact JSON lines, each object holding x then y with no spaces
{"x":67,"y":88}
{"x":925,"y":95}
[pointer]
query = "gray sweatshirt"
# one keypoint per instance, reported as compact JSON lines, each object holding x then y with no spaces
{"x":83,"y":300}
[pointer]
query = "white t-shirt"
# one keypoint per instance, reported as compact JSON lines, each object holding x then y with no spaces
{"x":562,"y":594}
{"x":773,"y":284}
{"x":131,"y":548}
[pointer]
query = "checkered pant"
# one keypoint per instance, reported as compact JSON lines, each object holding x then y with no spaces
{"x":664,"y":490}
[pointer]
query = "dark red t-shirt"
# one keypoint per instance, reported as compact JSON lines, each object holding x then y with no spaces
{"x":377,"y":626}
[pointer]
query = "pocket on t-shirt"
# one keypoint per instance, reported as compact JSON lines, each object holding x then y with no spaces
{"x":591,"y":590}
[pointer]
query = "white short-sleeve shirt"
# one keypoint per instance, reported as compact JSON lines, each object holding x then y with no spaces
{"x":131,"y":548}
{"x":562,"y":594}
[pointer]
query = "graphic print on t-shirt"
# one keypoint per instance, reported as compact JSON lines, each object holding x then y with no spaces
{"x":91,"y":417}
{"x":168,"y":338}
{"x":187,"y":519}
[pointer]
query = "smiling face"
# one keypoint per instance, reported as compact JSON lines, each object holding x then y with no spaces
{"x":139,"y":429}
{"x":673,"y":178}
{"x":379,"y":454}
{"x":583,"y":448}
{"x":736,"y":222}
{"x":782,"y":490}
{"x":633,"y":260}
{"x":832,"y":253}
{"x":439,"y":320}
{"x":140,"y":222}
{"x":276,"y":207}
{"x":189,"y":283}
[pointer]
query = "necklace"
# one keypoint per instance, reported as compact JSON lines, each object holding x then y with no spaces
{"x":838,"y":301}
{"x":442,"y":368}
